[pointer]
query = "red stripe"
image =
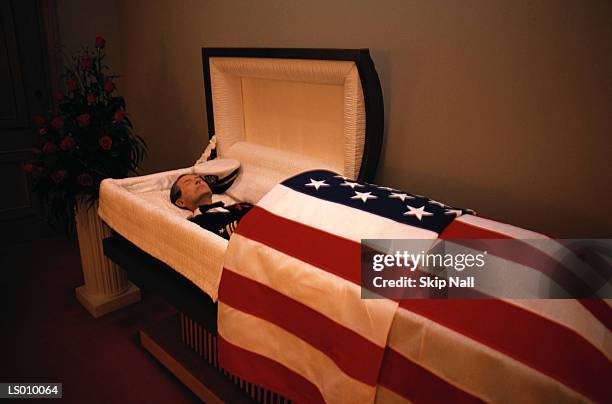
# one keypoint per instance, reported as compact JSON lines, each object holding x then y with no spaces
{"x":542,"y":344}
{"x":462,"y":230}
{"x":535,"y":259}
{"x":266,"y":373}
{"x":329,"y":252}
{"x":600,"y":310}
{"x":417,"y":384}
{"x":336,"y":341}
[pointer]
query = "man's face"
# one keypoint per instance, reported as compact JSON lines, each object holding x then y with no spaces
{"x":194,"y":192}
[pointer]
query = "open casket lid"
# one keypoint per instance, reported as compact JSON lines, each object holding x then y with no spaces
{"x":282,"y":111}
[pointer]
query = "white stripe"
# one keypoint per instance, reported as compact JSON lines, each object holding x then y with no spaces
{"x":499,"y":277}
{"x":386,"y":396}
{"x":548,"y":246}
{"x":471,"y":366}
{"x":502,"y":228}
{"x":273,"y":342}
{"x":326,"y":293}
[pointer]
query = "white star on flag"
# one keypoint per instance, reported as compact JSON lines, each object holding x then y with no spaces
{"x":364,"y":196}
{"x":351,"y":184}
{"x":387,"y":188}
{"x":400,"y":196}
{"x":317,"y":184}
{"x":456,"y":212}
{"x":440,"y":204}
{"x":341,"y":176}
{"x":418,"y":212}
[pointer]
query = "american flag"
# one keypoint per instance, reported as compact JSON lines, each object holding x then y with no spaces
{"x":291,"y":317}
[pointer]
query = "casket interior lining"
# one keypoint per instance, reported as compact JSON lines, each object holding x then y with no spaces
{"x":308,"y":108}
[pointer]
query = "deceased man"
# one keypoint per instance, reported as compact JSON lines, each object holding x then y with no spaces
{"x":194,"y":193}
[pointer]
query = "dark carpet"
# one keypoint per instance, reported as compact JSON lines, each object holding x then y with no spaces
{"x":47,"y":336}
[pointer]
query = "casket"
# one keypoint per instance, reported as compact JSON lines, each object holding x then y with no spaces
{"x":277,"y":112}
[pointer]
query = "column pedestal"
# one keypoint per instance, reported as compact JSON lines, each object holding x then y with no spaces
{"x":106,"y":287}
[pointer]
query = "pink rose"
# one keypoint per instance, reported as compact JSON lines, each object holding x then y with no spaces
{"x":85,"y":180}
{"x":90,"y":99}
{"x":49,"y":147}
{"x":57,"y":123}
{"x":119,"y":116}
{"x":105,"y":142}
{"x":83,"y":120}
{"x":100,"y":42}
{"x":109,"y":86}
{"x":58,"y":175}
{"x":71,"y":84}
{"x":67,"y":144}
{"x":59,"y":96}
{"x":39,"y":120}
{"x":42,"y":131}
{"x":86,"y":62}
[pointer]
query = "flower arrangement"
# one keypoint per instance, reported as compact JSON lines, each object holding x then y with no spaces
{"x":88,"y":137}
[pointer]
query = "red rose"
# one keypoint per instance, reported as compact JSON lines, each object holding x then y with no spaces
{"x":119,"y":116}
{"x":105,"y":142}
{"x":90,"y":99}
{"x":85,"y":180}
{"x":36,"y":152}
{"x":49,"y":147}
{"x":67,"y":144}
{"x":42,"y":131}
{"x":28,"y":168}
{"x":83,"y":120}
{"x":39,"y":120}
{"x":100,"y":42}
{"x":57,"y":123}
{"x":58,"y":175}
{"x":59,"y":96}
{"x":71,"y":84}
{"x":86,"y":62}
{"x":109,"y":86}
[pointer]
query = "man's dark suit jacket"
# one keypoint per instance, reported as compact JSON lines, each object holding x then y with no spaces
{"x":221,"y":223}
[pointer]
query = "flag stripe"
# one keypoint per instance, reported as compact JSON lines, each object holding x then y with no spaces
{"x":600,"y":310}
{"x":520,"y":252}
{"x":268,"y":339}
{"x":461,"y":230}
{"x":386,"y":396}
{"x":416,"y":383}
{"x":312,"y":287}
{"x":572,"y":315}
{"x":329,"y":252}
{"x":556,"y":352}
{"x":561,"y":250}
{"x":337,"y":342}
{"x":267,"y":373}
{"x":458,"y":229}
{"x":467,"y":363}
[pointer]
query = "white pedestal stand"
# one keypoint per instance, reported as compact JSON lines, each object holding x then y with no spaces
{"x":106,"y":287}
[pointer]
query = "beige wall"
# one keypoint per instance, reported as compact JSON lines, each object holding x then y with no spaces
{"x":502,"y":106}
{"x":81,"y":21}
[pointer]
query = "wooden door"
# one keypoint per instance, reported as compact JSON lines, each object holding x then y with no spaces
{"x":24,"y":93}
